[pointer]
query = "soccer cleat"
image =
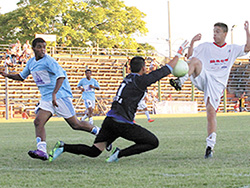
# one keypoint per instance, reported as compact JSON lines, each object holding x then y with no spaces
{"x":151,"y":120}
{"x":114,"y":156}
{"x":209,"y":153}
{"x":176,"y":84}
{"x":56,"y":151}
{"x":109,"y":147}
{"x":134,"y":121}
{"x":38,"y":154}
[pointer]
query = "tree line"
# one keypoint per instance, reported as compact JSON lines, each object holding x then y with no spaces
{"x":97,"y":23}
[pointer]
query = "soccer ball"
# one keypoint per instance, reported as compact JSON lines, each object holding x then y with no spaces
{"x":180,"y":69}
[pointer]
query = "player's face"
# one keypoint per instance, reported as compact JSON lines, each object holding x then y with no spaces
{"x":40,"y":50}
{"x":88,"y":75}
{"x":219,"y":35}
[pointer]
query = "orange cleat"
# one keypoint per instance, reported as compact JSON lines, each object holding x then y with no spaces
{"x":151,"y":120}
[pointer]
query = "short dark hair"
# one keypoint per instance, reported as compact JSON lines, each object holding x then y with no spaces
{"x":136,"y":64}
{"x":36,"y":40}
{"x":88,"y":70}
{"x":222,"y":26}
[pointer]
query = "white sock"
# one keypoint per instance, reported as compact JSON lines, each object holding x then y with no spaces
{"x":147,"y":114}
{"x":95,"y":130}
{"x":84,"y":117}
{"x":183,"y":78}
{"x":211,"y":140}
{"x":91,"y":120}
{"x":42,"y":146}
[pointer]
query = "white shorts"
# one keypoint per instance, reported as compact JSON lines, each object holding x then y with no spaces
{"x":89,"y":103}
{"x":142,"y":105}
{"x":211,"y":88}
{"x":65,"y":107}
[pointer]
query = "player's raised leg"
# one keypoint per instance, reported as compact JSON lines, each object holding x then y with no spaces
{"x":195,"y":67}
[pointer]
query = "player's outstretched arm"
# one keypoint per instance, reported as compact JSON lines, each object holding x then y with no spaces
{"x":246,"y":27}
{"x":12,"y":76}
{"x":191,"y":47}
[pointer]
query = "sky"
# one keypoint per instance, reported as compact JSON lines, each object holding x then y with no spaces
{"x":187,"y":18}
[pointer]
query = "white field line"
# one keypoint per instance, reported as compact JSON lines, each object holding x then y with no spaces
{"x":39,"y":170}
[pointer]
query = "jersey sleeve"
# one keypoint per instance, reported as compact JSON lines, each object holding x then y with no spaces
{"x":96,"y":84}
{"x":26,"y":71}
{"x":154,"y":76}
{"x":79,"y":83}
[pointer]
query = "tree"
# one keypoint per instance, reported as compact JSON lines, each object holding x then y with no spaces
{"x":102,"y":23}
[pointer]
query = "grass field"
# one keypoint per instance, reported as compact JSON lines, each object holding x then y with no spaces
{"x":177,"y":162}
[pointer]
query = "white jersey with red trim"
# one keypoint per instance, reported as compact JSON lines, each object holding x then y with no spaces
{"x":218,"y":60}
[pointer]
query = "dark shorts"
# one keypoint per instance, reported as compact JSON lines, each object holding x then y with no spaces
{"x":111,"y":130}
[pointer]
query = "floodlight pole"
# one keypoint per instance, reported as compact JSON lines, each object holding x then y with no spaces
{"x":169,"y":33}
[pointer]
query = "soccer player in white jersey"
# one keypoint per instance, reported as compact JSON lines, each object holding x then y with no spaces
{"x":143,"y":106}
{"x":88,"y":86}
{"x":209,"y":69}
{"x":56,"y":95}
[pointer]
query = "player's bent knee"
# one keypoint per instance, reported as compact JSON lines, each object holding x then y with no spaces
{"x":95,"y":152}
{"x":154,"y":142}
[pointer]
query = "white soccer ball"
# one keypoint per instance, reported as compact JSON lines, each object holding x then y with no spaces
{"x":180,"y":69}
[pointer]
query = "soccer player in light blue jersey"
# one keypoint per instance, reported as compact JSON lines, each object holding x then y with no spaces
{"x":88,"y":86}
{"x":56,"y":95}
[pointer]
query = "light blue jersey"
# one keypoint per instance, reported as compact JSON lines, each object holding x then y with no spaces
{"x":89,"y":93}
{"x":45,"y":72}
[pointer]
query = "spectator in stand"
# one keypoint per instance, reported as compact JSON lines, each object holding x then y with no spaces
{"x":22,"y":60}
{"x":8,"y":62}
{"x":18,"y":46}
{"x":26,"y":45}
{"x":8,"y":53}
{"x":29,"y":52}
{"x":242,"y":102}
{"x":153,"y":65}
{"x":237,"y":106}
{"x":25,"y":114}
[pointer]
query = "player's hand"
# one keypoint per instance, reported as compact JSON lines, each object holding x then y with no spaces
{"x":54,"y":103}
{"x":246,"y":26}
{"x":196,"y":38}
{"x":91,"y":86}
{"x":182,"y":48}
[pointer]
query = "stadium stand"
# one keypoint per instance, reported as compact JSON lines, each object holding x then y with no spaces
{"x":108,"y":70}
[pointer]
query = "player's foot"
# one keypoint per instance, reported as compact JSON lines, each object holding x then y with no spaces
{"x":56,"y":151}
{"x":151,"y":120}
{"x":38,"y":154}
{"x":114,"y":156}
{"x":209,"y":153}
{"x":109,"y":147}
{"x":176,"y":84}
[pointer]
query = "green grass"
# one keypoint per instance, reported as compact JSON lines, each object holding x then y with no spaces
{"x":177,"y":162}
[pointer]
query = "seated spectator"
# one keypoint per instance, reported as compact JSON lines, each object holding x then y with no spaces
{"x":22,"y":60}
{"x":8,"y":62}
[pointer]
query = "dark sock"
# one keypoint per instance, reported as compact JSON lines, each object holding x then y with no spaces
{"x":81,"y":149}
